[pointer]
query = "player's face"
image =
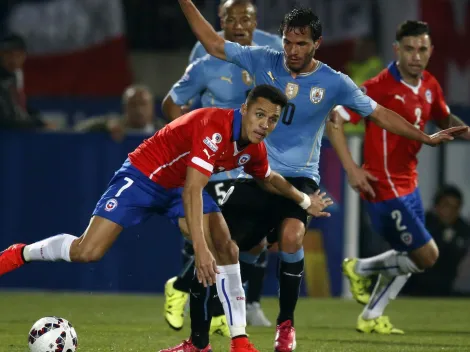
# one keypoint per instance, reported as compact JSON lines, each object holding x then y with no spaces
{"x":139,"y":109}
{"x":448,"y":209}
{"x":299,"y":48}
{"x":239,"y":22}
{"x":413,"y":54}
{"x":259,"y":120}
{"x":12,"y":60}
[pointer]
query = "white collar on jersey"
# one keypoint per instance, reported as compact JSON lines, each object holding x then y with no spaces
{"x":319,"y":64}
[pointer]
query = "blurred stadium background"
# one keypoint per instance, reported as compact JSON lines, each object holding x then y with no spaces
{"x":83,"y":54}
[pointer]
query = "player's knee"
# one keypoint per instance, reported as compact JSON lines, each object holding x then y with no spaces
{"x":227,"y":250}
{"x":292,"y":235}
{"x":426,"y":256}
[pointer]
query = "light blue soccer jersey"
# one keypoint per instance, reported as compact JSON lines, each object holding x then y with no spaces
{"x":221,"y":83}
{"x":294,"y":145}
{"x":260,"y":38}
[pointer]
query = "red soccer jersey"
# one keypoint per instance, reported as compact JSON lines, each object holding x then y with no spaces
{"x":204,"y":139}
{"x":387,"y":156}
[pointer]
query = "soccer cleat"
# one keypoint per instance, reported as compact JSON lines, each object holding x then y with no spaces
{"x":255,"y":315}
{"x":242,"y":344}
{"x":380,"y":325}
{"x":11,"y":258}
{"x":187,"y":346}
{"x":285,"y":337}
{"x":358,"y":284}
{"x":175,"y":301}
{"x":219,"y":326}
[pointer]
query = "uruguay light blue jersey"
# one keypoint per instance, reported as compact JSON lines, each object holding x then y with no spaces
{"x":260,"y":38}
{"x":294,"y":145}
{"x":221,"y":83}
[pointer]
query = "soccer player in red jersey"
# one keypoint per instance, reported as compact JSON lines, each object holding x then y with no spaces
{"x":393,"y":201}
{"x":166,"y":175}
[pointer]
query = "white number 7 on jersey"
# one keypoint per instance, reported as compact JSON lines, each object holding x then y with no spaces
{"x":129,"y":183}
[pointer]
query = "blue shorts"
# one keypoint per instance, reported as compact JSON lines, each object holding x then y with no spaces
{"x":132,"y":198}
{"x":400,"y":221}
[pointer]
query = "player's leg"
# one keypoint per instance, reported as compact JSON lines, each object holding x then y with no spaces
{"x":291,"y":267}
{"x":177,"y":290}
{"x":110,"y":216}
{"x":403,"y":226}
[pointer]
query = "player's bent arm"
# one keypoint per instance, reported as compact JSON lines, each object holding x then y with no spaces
{"x":170,"y":109}
{"x":193,"y":207}
{"x":335,"y":133}
{"x":452,"y":121}
{"x":394,"y":123}
{"x":204,"y":32}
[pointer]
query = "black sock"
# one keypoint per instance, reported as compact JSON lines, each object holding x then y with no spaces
{"x":256,"y":279}
{"x":290,"y":278}
{"x":185,"y":278}
{"x":245,"y":270}
{"x":200,"y":309}
{"x":217,"y":308}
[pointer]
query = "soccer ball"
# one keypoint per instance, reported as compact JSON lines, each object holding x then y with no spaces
{"x":52,"y":334}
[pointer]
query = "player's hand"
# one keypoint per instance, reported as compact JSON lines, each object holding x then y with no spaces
{"x":318,"y":204}
{"x":335,"y":118}
{"x":206,"y":267}
{"x":359,"y":179}
{"x":446,"y":135}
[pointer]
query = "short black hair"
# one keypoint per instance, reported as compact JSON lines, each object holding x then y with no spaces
{"x":268,"y":92}
{"x":448,"y":191}
{"x":12,"y":41}
{"x":412,"y":29}
{"x":299,"y":18}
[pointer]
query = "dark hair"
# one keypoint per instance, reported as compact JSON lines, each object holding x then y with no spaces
{"x":12,"y":41}
{"x":268,"y":92}
{"x":299,"y":18}
{"x":448,"y":191}
{"x":411,"y":29}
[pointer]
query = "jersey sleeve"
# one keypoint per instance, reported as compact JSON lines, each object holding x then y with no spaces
{"x":197,"y":52}
{"x":439,"y":108}
{"x":350,"y":96}
{"x":246,"y":57}
{"x":205,"y":147}
{"x":191,"y":84}
{"x":258,"y":165}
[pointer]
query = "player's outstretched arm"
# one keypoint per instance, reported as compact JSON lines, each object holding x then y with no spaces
{"x":394,"y":123}
{"x":192,"y":202}
{"x":453,"y":121}
{"x":358,"y":178}
{"x":171,"y":110}
{"x":204,"y":32}
{"x":314,"y":204}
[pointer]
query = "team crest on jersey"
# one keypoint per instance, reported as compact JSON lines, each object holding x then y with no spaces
{"x":292,"y":90}
{"x":316,"y":94}
{"x":242,"y":160}
{"x":216,"y":138}
{"x":111,"y":205}
{"x":246,"y":78}
{"x":406,"y":238}
{"x":428,"y":96}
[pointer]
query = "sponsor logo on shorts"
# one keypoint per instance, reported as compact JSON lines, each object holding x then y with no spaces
{"x":406,"y":238}
{"x":242,"y":160}
{"x":207,"y":141}
{"x":111,"y":205}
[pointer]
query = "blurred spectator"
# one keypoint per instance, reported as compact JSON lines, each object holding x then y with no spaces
{"x":13,"y":109}
{"x":139,"y":116}
{"x":365,"y":63}
{"x":452,"y":235}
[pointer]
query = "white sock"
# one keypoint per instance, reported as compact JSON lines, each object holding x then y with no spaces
{"x":390,"y":263}
{"x":232,"y":296}
{"x":397,"y":285}
{"x":379,"y":298}
{"x":51,"y":249}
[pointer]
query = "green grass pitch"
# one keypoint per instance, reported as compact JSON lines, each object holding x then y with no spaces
{"x":106,"y":323}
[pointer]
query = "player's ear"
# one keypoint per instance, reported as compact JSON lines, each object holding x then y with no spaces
{"x":244,"y":109}
{"x":317,"y":43}
{"x":396,"y":47}
{"x":431,"y":50}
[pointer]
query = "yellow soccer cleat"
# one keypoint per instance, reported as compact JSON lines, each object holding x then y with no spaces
{"x":219,"y":326}
{"x":175,"y":301}
{"x":380,"y":325}
{"x":358,"y":284}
